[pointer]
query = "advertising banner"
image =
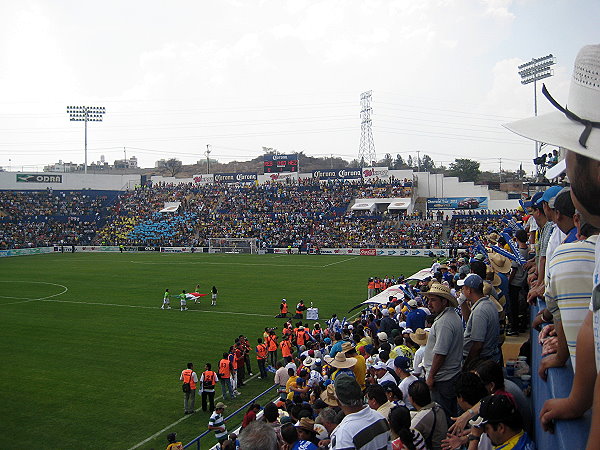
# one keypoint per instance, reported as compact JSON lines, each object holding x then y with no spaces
{"x":242,"y":177}
{"x":37,"y":178}
{"x":424,"y":252}
{"x":279,"y":177}
{"x":97,"y":248}
{"x":25,"y":251}
{"x":204,"y":178}
{"x":280,"y":163}
{"x":339,"y":174}
{"x":457,"y":203}
{"x":373,"y":173}
{"x":368,"y":252}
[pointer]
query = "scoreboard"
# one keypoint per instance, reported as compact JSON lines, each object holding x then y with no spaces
{"x":280,"y":163}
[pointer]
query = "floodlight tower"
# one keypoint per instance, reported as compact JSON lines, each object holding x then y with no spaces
{"x":86,"y":114}
{"x":366,"y":151}
{"x":531,"y":72}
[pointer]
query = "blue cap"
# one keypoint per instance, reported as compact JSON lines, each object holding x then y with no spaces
{"x":472,"y":280}
{"x":534,"y":199}
{"x":549,"y":194}
{"x":327,"y":340}
{"x":402,"y":363}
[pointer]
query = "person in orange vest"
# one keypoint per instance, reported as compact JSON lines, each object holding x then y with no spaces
{"x":208,"y":380}
{"x":299,"y":308}
{"x":272,"y":346}
{"x":283,"y":309}
{"x":225,"y":371}
{"x":377,"y":286}
{"x":301,"y":337}
{"x":286,"y":347}
{"x":247,"y":350}
{"x":261,"y":358}
{"x":189,"y":396}
{"x":371,"y":288}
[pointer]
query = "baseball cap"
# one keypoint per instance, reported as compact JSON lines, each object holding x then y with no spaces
{"x":379,"y":365}
{"x":412,"y":303}
{"x":532,"y":202}
{"x":549,"y":194}
{"x":382,"y":336}
{"x":385,"y":312}
{"x":347,"y":389}
{"x":402,"y":363}
{"x":479,"y":257}
{"x":472,"y":280}
{"x":495,"y":409}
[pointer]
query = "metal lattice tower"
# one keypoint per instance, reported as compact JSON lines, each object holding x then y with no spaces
{"x":366,"y":151}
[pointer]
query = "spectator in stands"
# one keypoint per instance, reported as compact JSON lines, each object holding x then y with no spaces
{"x":500,"y":420}
{"x":482,"y":329}
{"x":361,"y":428}
{"x":174,"y":444}
{"x":217,"y":422}
{"x":569,"y":283}
{"x":377,"y":400}
{"x":415,"y":317}
{"x":402,"y":367}
{"x":404,"y":437}
{"x":517,"y":285}
{"x":430,"y":419}
{"x":443,"y":353}
{"x":259,"y":435}
{"x":419,"y":337}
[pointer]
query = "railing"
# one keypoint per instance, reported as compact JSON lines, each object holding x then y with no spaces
{"x":197,"y":439}
{"x":568,"y":434}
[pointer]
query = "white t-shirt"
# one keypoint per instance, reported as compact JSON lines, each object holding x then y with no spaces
{"x":595,"y":306}
{"x":418,"y":360}
{"x":404,"y":385}
{"x":532,"y":224}
{"x":556,"y":238}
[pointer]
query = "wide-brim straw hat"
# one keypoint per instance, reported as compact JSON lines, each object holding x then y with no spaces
{"x":306,"y":424}
{"x":340,"y":361}
{"x":499,"y":263}
{"x":496,"y":281}
{"x":347,"y":347}
{"x":308,"y":361}
{"x":556,"y":128}
{"x":419,"y":337}
{"x":493,"y":238}
{"x":442,"y":291}
{"x":328,"y":396}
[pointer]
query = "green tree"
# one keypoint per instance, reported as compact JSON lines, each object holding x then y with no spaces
{"x":410,"y":163}
{"x":427,"y":164}
{"x":174,"y":166}
{"x":386,"y":161}
{"x":399,"y":163}
{"x":464,"y":169}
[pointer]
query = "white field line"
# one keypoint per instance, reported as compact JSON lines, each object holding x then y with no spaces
{"x":339,"y":262}
{"x":158,"y":307}
{"x":27,"y":300}
{"x":158,"y":433}
{"x":223,"y":264}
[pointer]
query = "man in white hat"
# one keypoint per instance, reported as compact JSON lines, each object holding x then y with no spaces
{"x":442,"y":357}
{"x":576,"y":129}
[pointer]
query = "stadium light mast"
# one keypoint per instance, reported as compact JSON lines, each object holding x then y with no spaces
{"x":207,"y":158}
{"x":531,"y":72}
{"x":366,"y":150}
{"x":86,"y":114}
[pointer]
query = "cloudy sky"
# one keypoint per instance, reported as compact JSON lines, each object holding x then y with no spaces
{"x":240,"y":75}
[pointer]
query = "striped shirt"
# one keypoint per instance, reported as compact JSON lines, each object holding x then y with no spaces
{"x":569,"y":285}
{"x":217,"y":420}
{"x":365,"y":429}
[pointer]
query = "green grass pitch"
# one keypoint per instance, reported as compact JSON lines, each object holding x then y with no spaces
{"x":91,"y":361}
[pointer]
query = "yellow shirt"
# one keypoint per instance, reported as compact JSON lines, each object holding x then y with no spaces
{"x":360,"y":370}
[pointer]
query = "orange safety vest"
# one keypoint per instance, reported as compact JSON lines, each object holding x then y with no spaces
{"x":224,"y":369}
{"x":261,"y":351}
{"x":190,"y":379}
{"x":209,"y":378}
{"x":371,"y":285}
{"x":272,"y":342}
{"x":284,"y":308}
{"x":234,"y":363}
{"x":377,"y":285}
{"x":298,"y":308}
{"x":286,"y":348}
{"x":301,"y":337}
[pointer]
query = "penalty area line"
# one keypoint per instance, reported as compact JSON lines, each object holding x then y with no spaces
{"x":339,"y":262}
{"x":155,"y":307}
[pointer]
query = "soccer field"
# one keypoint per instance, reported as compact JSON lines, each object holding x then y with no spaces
{"x":91,"y":361}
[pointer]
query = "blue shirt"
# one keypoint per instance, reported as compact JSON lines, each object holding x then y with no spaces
{"x":571,"y":236}
{"x":415,"y":318}
{"x":304,"y":445}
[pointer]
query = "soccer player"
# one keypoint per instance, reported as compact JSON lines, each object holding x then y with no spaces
{"x":183,"y":301}
{"x":214,"y":293}
{"x":166,"y":300}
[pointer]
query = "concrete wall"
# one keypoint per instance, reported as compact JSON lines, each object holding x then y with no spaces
{"x":32,"y":181}
{"x":436,"y":185}
{"x":503,"y":204}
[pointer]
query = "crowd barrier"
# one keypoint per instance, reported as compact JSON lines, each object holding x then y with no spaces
{"x":568,"y":434}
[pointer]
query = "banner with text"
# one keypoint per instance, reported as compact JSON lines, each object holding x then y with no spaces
{"x":242,"y":177}
{"x":339,"y":174}
{"x":434,"y":203}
